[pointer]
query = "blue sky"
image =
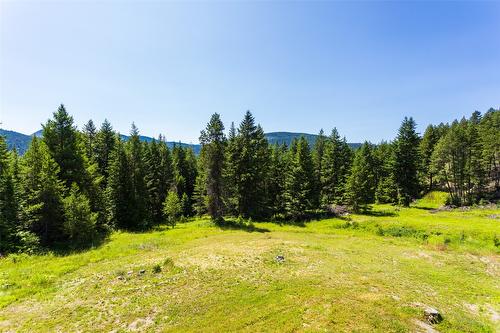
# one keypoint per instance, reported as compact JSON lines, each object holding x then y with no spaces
{"x":298,"y":66}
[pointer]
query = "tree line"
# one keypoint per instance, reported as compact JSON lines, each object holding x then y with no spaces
{"x":72,"y":188}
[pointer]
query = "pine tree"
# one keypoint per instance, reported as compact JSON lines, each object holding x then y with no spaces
{"x":153,"y":179}
{"x":120,"y":191}
{"x":299,"y":184}
{"x":41,"y":189}
{"x":172,"y":208}
{"x":89,"y":135}
{"x":104,"y":145}
{"x":200,"y":196}
{"x":158,"y":178}
{"x":318,"y":158}
{"x":337,"y":159}
{"x":277,"y":179}
{"x":456,"y":161}
{"x":251,"y":166}
{"x":8,"y":201}
{"x":431,"y":137}
{"x":231,"y":173}
{"x":361,"y":183}
{"x":406,"y":161}
{"x":386,"y":188}
{"x":61,"y":137}
{"x":191,"y":175}
{"x":213,"y":142}
{"x":138,"y":209}
{"x":489,"y":132}
{"x":80,"y":222}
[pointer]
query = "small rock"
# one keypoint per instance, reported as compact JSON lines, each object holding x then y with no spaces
{"x":142,"y":271}
{"x":432,"y":316}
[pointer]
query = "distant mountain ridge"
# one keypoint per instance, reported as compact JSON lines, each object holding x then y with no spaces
{"x":21,"y":141}
{"x":288,"y":137}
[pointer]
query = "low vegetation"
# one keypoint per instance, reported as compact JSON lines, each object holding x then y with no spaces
{"x":73,"y":187}
{"x":373,"y":272}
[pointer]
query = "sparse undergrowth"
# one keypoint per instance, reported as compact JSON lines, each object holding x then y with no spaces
{"x":367,"y":273}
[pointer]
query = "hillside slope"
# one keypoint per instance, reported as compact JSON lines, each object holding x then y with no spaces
{"x":21,"y":141}
{"x":367,"y":273}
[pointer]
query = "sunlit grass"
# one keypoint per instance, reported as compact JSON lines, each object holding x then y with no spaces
{"x":368,"y":273}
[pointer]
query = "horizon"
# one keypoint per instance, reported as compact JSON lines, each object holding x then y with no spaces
{"x":298,"y":67}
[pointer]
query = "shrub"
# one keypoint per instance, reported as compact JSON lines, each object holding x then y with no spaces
{"x":28,"y":242}
{"x":157,"y":268}
{"x":80,"y":222}
{"x":172,"y":208}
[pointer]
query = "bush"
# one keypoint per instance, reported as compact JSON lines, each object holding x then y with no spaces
{"x":28,"y":242}
{"x":172,"y":208}
{"x":80,"y":222}
{"x":157,"y":268}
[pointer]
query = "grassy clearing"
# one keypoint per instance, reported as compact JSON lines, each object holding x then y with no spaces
{"x":365,"y":273}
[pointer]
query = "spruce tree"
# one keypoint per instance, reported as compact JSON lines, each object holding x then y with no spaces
{"x":191,"y":174}
{"x":489,"y":132}
{"x":213,"y":142}
{"x":158,"y":164}
{"x":457,"y":162}
{"x":231,"y":173}
{"x":61,"y":137}
{"x":406,"y":161}
{"x":153,"y":180}
{"x":8,"y":201}
{"x":251,"y":165}
{"x":89,"y":135}
{"x":386,"y":188}
{"x":278,"y":166}
{"x":200,"y":196}
{"x":172,"y":208}
{"x":41,"y":193}
{"x":299,"y":186}
{"x":318,"y":158}
{"x":120,"y":191}
{"x":138,"y":209}
{"x":361,"y":183}
{"x":80,"y":222}
{"x":105,"y":143}
{"x":337,"y":159}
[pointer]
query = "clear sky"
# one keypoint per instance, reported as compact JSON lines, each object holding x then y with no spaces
{"x":360,"y":67}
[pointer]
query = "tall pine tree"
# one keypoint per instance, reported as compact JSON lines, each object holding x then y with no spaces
{"x":406,"y":161}
{"x":41,"y":192}
{"x":105,"y":143}
{"x":138,"y":209}
{"x":213,"y":142}
{"x":299,"y":186}
{"x":61,"y":137}
{"x":361,"y":183}
{"x":8,"y":201}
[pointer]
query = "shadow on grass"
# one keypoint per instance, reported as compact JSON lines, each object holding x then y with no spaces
{"x":66,"y":249}
{"x":234,"y":225}
{"x":377,"y":213}
{"x":423,"y":207}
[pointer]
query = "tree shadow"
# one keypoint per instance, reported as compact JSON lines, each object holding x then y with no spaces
{"x":377,"y":213}
{"x":64,"y":249}
{"x":234,"y":225}
{"x":423,"y":208}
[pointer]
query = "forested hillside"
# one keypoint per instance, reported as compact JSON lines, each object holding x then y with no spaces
{"x":72,"y":187}
{"x":21,"y":141}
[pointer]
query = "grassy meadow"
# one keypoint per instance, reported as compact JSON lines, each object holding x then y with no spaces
{"x":374,"y":272}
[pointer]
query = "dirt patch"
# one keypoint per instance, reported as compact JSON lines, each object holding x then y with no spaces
{"x":140,"y":324}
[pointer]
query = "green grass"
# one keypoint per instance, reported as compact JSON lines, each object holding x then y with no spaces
{"x":362,"y":273}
